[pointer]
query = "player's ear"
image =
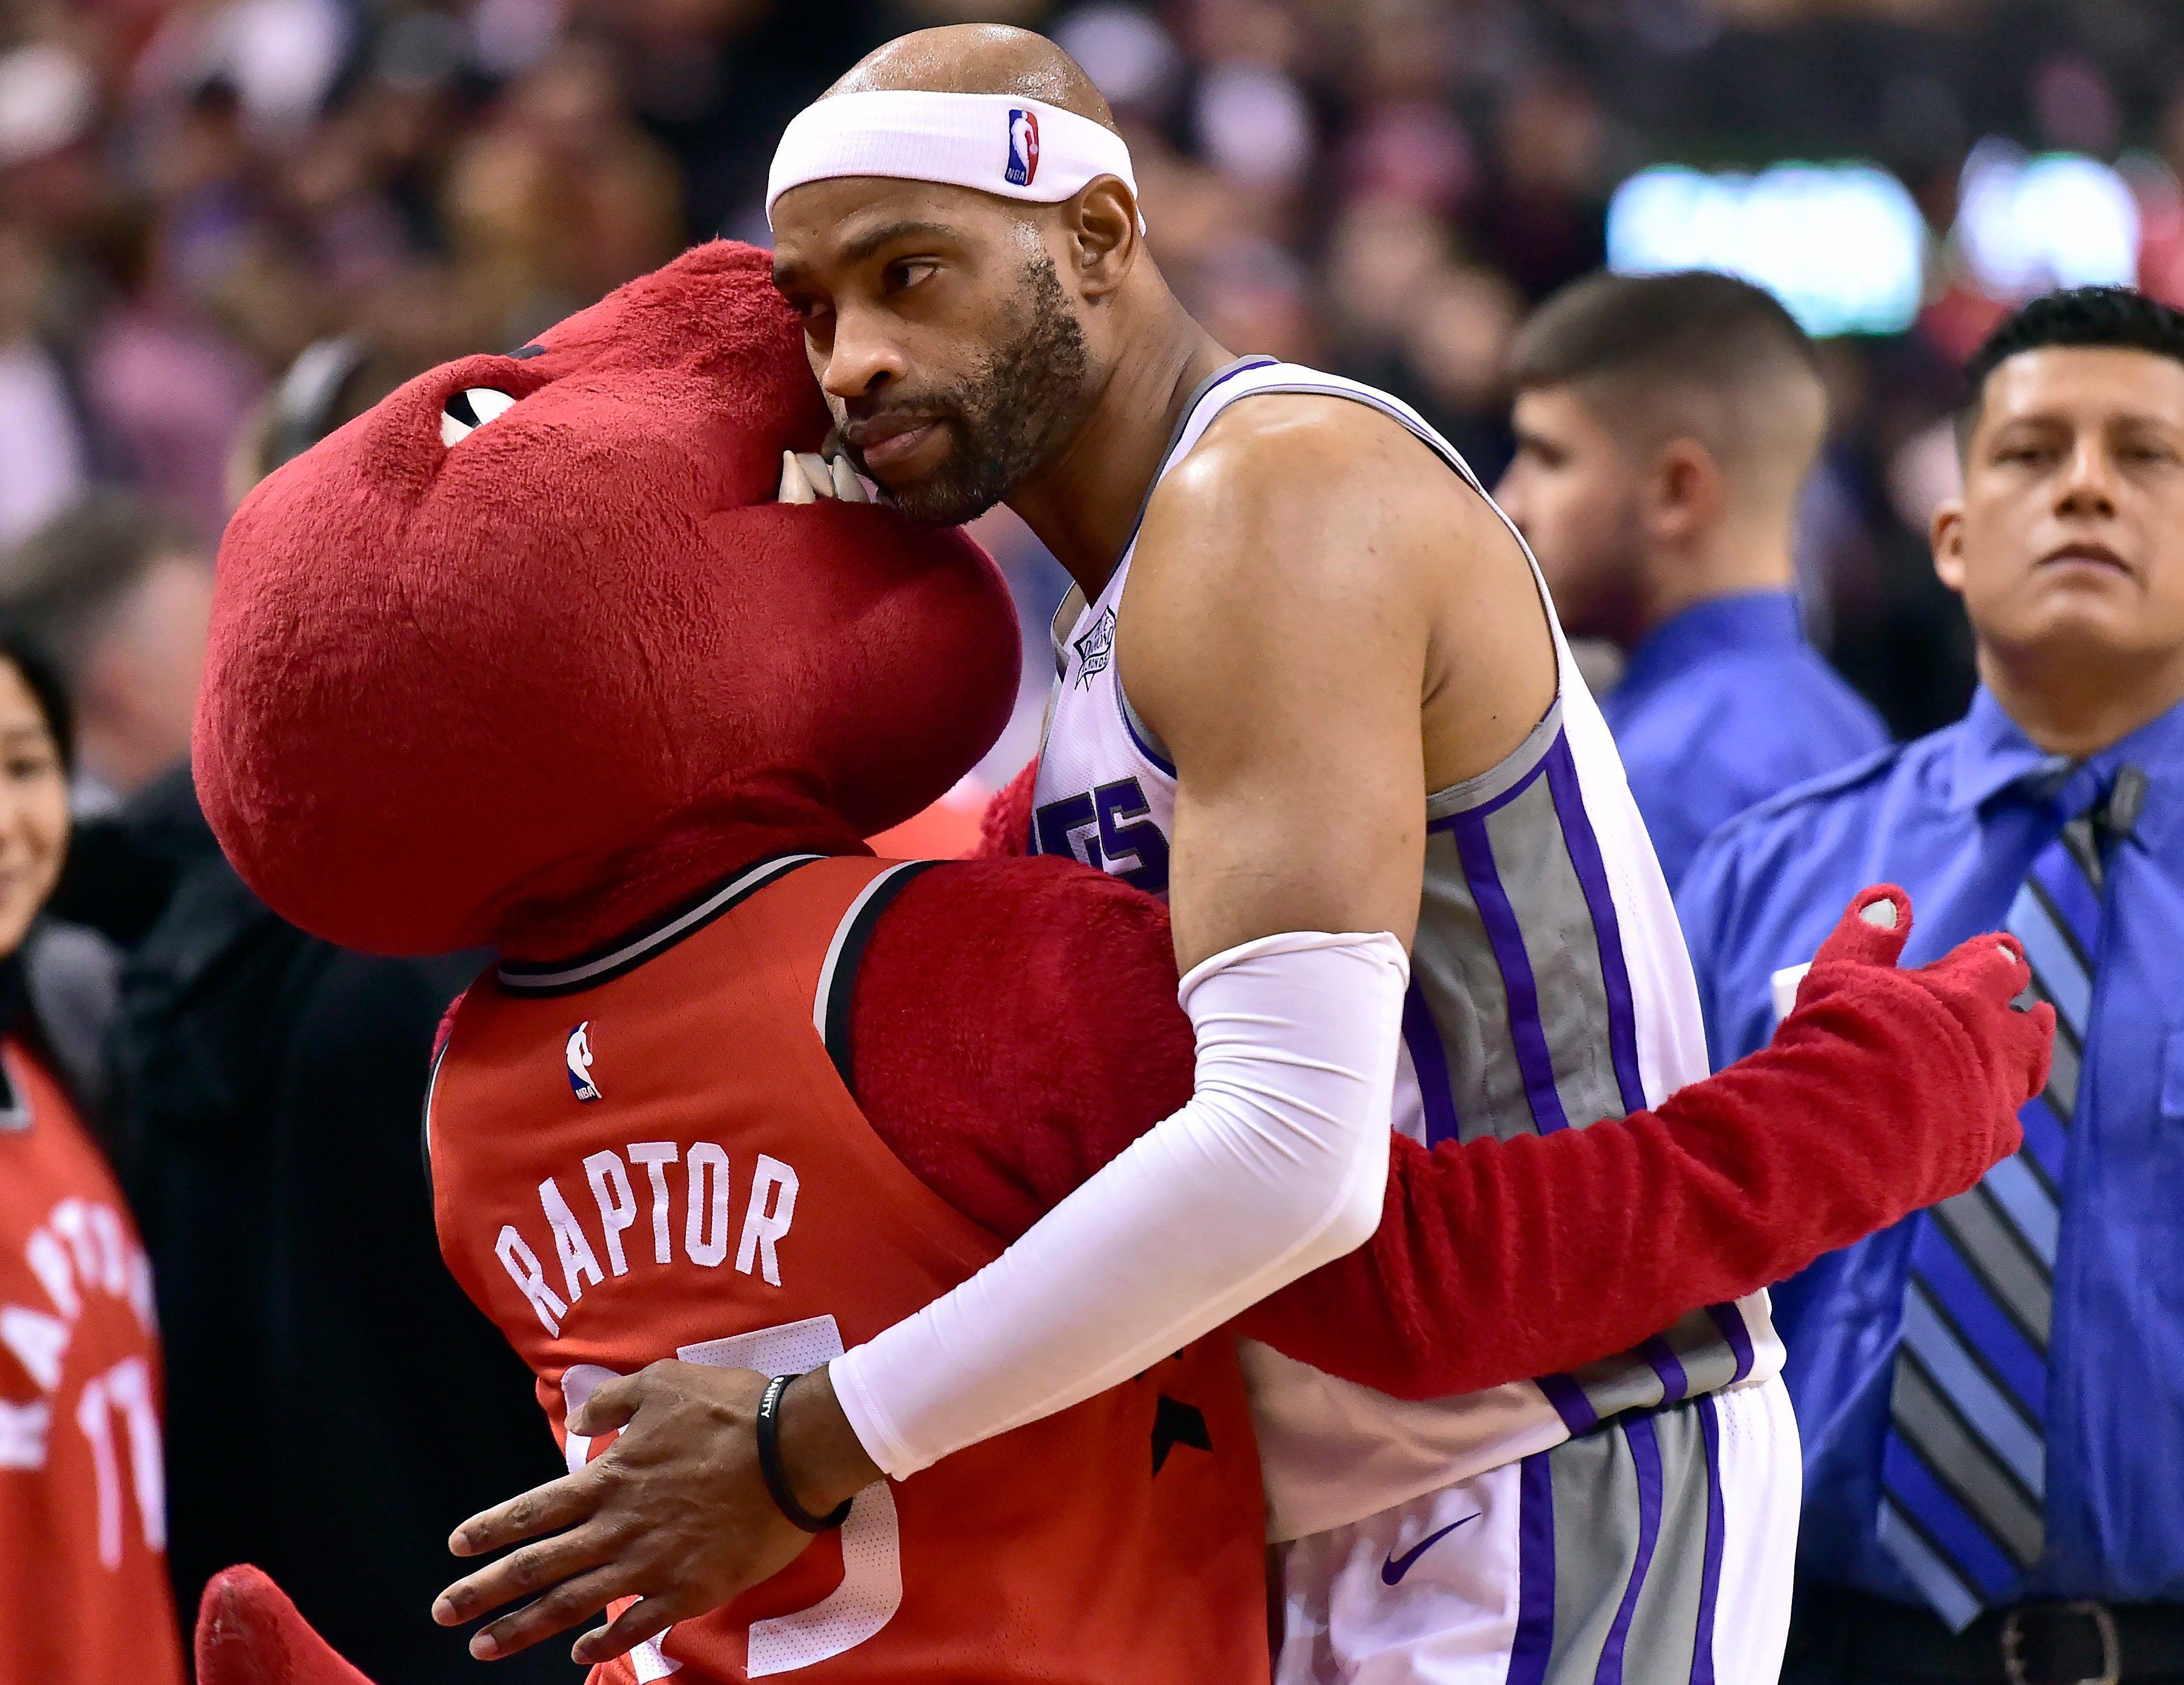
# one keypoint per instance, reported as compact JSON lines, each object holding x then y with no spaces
{"x":1948,"y":537}
{"x":1103,"y":236}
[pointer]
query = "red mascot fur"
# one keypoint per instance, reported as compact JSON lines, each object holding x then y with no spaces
{"x":544,"y":685}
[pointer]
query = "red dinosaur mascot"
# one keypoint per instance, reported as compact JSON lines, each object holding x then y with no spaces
{"x":533,"y":655}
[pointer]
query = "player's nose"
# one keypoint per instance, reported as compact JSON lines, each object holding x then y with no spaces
{"x":862,"y":358}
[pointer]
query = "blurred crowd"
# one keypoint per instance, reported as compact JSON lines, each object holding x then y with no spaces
{"x":194,"y":194}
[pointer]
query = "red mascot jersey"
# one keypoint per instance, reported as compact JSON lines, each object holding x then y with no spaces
{"x":654,"y":1153}
{"x":83,"y":1528}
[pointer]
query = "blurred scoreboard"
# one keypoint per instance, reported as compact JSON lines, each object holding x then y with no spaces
{"x":1847,"y":250}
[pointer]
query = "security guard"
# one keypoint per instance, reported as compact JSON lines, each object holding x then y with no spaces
{"x":1991,"y":1394}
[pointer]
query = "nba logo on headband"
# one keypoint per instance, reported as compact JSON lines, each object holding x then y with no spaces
{"x":1047,"y":155}
{"x":1023,"y":147}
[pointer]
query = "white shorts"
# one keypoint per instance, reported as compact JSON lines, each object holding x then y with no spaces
{"x":1656,"y":1550}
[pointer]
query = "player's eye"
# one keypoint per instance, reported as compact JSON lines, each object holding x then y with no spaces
{"x":471,"y":409}
{"x":909,"y":272}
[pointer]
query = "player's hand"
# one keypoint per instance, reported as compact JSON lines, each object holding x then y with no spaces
{"x":675,"y":1512}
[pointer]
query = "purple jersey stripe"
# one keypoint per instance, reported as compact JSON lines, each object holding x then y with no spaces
{"x":1675,"y":1385}
{"x":1570,"y":1404}
{"x":1730,"y":1321}
{"x":1646,"y":1455}
{"x":1531,"y":1651}
{"x":1430,"y":1061}
{"x":1506,"y":938}
{"x":1710,"y":1568}
{"x":1600,"y":902}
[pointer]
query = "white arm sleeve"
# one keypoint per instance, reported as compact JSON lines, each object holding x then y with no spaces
{"x":1278,"y":1164}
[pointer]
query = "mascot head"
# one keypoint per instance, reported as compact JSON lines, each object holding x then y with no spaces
{"x":536,"y":649}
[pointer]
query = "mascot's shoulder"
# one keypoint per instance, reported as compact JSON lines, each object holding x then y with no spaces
{"x":1038,"y":967}
{"x":1037,"y":912}
{"x":1014,"y":1024}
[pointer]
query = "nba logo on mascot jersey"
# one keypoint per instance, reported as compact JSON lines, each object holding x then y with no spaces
{"x":579,"y":1055}
{"x":1023,"y":147}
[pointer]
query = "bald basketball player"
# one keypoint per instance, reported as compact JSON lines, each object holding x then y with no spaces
{"x":1310,"y":687}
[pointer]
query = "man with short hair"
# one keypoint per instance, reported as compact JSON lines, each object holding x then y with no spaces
{"x":1991,"y":1394}
{"x":123,"y":594}
{"x":1664,"y":426}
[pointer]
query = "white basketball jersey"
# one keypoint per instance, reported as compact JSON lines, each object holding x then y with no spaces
{"x":1549,"y":987}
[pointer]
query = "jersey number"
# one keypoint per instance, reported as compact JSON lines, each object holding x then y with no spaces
{"x":872,"y":1538}
{"x":125,"y":1391}
{"x":1093,"y":828}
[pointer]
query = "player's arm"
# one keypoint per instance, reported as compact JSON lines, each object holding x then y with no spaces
{"x":1495,"y":1261}
{"x":1276,"y":636}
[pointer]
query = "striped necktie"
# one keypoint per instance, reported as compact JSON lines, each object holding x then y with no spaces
{"x":1964,"y":1463}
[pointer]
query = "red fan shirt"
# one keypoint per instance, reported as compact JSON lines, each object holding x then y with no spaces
{"x":83,"y":1563}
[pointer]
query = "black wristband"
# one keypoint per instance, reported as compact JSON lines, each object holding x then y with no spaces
{"x":776,"y":1478}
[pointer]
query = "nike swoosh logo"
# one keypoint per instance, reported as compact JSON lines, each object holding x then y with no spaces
{"x":1395,"y":1567}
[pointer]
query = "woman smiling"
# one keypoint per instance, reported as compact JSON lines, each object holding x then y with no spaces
{"x":83,"y":1574}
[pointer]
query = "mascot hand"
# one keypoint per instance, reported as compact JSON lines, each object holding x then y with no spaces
{"x":248,"y":1633}
{"x":674,"y":1513}
{"x":1982,"y":983}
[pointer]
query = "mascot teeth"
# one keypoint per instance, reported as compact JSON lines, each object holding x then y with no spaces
{"x":796,"y":486}
{"x":806,"y":479}
{"x":847,"y":486}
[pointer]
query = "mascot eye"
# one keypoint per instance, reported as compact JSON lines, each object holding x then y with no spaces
{"x":469,"y":409}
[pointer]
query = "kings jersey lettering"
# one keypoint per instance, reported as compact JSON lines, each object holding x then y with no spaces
{"x":723,"y":1200}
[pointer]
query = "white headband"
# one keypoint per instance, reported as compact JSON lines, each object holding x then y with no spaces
{"x":997,"y":142}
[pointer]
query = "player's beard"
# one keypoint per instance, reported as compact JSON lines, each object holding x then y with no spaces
{"x":1009,"y":415}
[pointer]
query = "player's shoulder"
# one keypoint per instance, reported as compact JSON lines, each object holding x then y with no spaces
{"x":1283,"y":447}
{"x":1314,"y":503}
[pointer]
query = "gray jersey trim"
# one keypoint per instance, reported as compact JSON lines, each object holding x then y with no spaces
{"x":1498,"y":780}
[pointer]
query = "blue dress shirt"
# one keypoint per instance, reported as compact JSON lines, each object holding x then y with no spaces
{"x":1956,"y":818}
{"x":1723,"y":707}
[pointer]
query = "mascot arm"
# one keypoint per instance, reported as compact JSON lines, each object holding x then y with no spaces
{"x":1014,"y":1027}
{"x":1004,"y":827}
